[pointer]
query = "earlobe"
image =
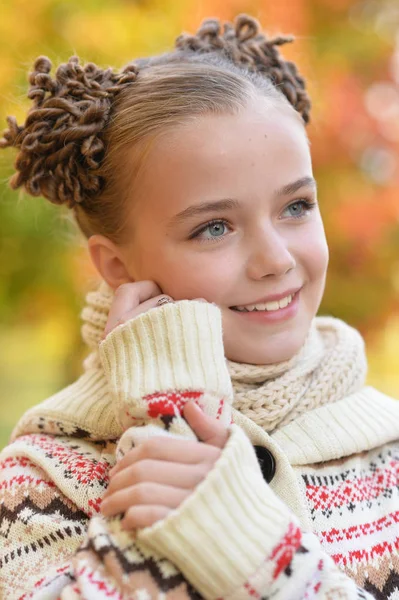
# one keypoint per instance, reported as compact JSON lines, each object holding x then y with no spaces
{"x":108,"y":261}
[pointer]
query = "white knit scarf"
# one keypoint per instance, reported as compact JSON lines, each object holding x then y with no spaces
{"x":330,"y":365}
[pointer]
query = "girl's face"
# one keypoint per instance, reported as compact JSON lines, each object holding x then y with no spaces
{"x":226,"y":210}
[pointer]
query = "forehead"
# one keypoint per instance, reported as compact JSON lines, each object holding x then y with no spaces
{"x":244,"y":154}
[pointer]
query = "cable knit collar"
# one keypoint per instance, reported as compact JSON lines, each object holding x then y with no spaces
{"x":310,"y":353}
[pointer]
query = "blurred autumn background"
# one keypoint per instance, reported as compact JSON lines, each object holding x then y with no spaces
{"x":349,"y":52}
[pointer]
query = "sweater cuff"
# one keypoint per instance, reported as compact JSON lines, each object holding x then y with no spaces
{"x":174,"y":347}
{"x":229,"y":525}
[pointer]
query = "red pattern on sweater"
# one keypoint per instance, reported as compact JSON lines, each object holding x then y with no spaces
{"x":85,"y":469}
{"x":98,"y":584}
{"x":17,"y":463}
{"x":356,"y":531}
{"x":285,"y":550}
{"x":169,"y":403}
{"x":251,"y":590}
{"x":366,"y":556}
{"x":354,"y":491}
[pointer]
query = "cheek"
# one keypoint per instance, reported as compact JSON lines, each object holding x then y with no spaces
{"x":319,"y":257}
{"x":313,"y":251}
{"x":189,"y":275}
{"x":315,"y":259}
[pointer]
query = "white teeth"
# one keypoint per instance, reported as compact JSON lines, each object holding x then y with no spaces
{"x":271,"y":306}
{"x":284,"y":302}
{"x":268,"y":306}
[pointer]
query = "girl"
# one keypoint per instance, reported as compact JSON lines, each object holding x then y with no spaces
{"x":248,"y":458}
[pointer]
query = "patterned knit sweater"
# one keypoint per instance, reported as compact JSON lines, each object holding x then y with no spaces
{"x":325,"y":526}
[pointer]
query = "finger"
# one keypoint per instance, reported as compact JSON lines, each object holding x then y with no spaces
{"x":125,"y":478}
{"x":127,"y":297}
{"x":206,"y":428}
{"x":144,"y":516}
{"x":138,"y":310}
{"x":168,"y":449}
{"x":148,"y":493}
{"x":148,"y":305}
{"x":165,"y":473}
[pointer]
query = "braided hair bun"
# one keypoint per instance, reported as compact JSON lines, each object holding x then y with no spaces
{"x":244,"y":44}
{"x":60,"y":144}
{"x":63,"y":141}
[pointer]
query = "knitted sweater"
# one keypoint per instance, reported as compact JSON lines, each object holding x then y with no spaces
{"x":325,"y":526}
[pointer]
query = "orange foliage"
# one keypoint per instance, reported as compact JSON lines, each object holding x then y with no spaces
{"x":368,"y":219}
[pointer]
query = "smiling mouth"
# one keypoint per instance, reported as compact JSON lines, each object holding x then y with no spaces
{"x":266,"y":306}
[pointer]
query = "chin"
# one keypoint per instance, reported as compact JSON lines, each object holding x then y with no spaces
{"x":276,"y":350}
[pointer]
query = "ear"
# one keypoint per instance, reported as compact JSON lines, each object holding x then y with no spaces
{"x":108,"y":261}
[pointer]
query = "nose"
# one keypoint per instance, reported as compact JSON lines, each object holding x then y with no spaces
{"x":270,"y":255}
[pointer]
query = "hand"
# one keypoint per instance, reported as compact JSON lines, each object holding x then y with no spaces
{"x":130,"y":300}
{"x":154,"y":478}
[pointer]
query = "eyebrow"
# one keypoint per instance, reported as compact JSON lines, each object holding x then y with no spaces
{"x":293,"y":187}
{"x":229,"y":203}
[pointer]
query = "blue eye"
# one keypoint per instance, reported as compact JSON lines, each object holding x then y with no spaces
{"x":216,"y":229}
{"x":300,"y":208}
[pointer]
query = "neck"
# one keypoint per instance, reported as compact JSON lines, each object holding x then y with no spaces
{"x":310,"y":352}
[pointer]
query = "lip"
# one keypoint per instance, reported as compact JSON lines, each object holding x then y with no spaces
{"x":274,"y":298}
{"x":265,"y":317}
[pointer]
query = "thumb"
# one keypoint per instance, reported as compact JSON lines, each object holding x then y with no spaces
{"x":206,"y":428}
